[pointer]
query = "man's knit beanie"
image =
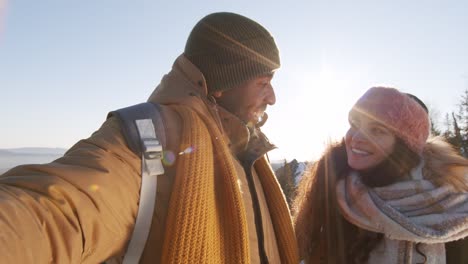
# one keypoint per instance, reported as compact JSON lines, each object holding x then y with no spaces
{"x":230,"y":49}
{"x":402,"y":113}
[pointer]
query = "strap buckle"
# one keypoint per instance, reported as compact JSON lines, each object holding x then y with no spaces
{"x":152,"y":148}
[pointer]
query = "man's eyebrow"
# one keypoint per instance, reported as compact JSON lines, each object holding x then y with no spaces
{"x":268,"y":75}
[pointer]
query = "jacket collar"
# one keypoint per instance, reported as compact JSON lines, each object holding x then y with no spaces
{"x":185,"y":84}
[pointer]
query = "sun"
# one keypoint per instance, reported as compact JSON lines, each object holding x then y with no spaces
{"x":321,"y":107}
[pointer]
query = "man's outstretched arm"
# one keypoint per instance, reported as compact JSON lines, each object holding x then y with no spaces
{"x":78,"y":209}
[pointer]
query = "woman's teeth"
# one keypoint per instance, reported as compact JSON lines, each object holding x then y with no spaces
{"x":360,"y":152}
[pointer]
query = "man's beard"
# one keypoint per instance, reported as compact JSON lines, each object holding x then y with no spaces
{"x":259,"y":117}
{"x":262,"y":120}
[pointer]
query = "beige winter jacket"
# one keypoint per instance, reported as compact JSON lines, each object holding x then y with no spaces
{"x":81,"y":208}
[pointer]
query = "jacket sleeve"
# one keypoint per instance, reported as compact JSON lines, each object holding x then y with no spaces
{"x":79,"y":208}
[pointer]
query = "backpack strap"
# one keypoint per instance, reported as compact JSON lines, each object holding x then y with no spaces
{"x":138,"y":126}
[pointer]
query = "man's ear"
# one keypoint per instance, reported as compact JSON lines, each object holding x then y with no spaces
{"x":217,"y":94}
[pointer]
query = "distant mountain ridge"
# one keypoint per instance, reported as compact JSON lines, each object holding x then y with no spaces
{"x":295,"y":168}
{"x":33,"y":151}
{"x":12,"y":157}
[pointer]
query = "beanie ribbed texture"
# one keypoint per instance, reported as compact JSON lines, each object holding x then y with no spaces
{"x":403,"y":115}
{"x":230,"y":49}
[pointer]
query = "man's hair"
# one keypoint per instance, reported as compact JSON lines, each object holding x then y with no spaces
{"x":230,"y":49}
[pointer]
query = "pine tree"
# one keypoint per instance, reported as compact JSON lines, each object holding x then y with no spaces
{"x":448,"y":134}
{"x":463,"y":123}
{"x":285,"y":177}
{"x":457,"y":140}
{"x":463,"y":113}
{"x":434,"y":116}
{"x":434,"y":129}
{"x":456,"y":131}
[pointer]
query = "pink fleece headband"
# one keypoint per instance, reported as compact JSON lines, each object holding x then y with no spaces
{"x":405,"y":117}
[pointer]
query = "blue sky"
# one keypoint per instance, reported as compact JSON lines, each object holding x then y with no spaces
{"x":65,"y":64}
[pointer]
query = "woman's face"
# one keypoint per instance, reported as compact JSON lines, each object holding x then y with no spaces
{"x":368,"y":142}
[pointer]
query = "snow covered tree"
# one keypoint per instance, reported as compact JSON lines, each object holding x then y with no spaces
{"x":285,"y":176}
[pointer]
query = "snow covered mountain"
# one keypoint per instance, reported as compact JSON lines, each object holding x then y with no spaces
{"x":296,"y":168}
{"x":289,"y":175}
{"x":10,"y":158}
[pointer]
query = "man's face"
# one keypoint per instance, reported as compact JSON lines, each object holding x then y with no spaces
{"x":249,"y":100}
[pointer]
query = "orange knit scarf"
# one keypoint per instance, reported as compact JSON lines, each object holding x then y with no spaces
{"x":206,"y":222}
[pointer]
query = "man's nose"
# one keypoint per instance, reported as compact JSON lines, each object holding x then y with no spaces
{"x":270,"y":98}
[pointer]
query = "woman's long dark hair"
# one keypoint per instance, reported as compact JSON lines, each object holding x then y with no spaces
{"x":321,"y":231}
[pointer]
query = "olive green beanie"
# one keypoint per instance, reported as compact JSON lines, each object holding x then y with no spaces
{"x":230,"y":49}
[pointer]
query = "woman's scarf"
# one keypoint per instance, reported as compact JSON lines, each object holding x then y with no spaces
{"x":415,"y":216}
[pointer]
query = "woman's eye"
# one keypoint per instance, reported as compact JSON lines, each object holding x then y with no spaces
{"x":377,"y":131}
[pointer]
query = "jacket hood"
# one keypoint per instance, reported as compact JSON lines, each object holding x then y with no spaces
{"x":184,"y":84}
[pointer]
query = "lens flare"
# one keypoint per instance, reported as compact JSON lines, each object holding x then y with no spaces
{"x":187,"y":150}
{"x":94,"y":187}
{"x":168,"y":158}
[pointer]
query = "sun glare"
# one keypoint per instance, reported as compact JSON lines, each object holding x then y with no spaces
{"x":328,"y":100}
{"x":323,"y":104}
